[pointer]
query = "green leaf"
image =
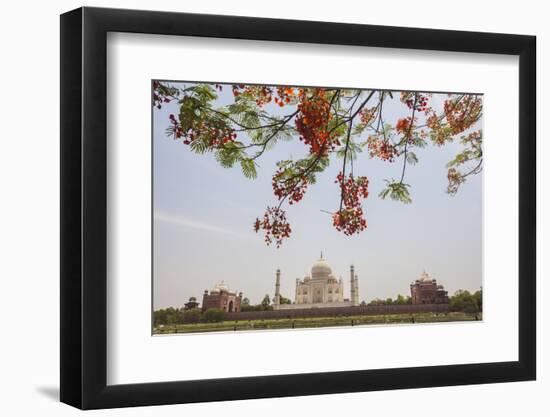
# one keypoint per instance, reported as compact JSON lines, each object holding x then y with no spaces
{"x":249,"y":168}
{"x":199,"y":146}
{"x":412,"y":158}
{"x":397,"y":191}
{"x":202,"y":92}
{"x":358,"y":129}
{"x":353,"y":150}
{"x":228,"y":155}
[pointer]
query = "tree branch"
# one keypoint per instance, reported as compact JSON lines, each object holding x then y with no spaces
{"x":344,"y":165}
{"x":407,"y":140}
{"x":288,"y":118}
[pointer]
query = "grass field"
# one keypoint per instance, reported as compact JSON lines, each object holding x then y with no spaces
{"x":315,"y":322}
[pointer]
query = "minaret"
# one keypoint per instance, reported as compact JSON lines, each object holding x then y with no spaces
{"x":356,"y":300}
{"x":352,"y":286}
{"x":277,"y":299}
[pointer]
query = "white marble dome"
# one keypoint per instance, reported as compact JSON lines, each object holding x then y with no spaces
{"x":321,"y":268}
{"x":219,"y":288}
{"x":425,"y":277}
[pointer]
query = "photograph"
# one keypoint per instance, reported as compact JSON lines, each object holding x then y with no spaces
{"x":248,"y":208}
{"x":295,"y":207}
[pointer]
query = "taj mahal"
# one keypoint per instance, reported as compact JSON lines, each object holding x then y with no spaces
{"x":320,"y":289}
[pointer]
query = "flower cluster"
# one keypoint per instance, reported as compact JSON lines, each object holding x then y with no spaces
{"x":463,"y":113}
{"x":438,"y":133}
{"x":161,"y":94}
{"x":350,"y":218}
{"x":263,"y":94}
{"x":455,"y":179}
{"x":285,"y":96}
{"x":274,"y":225}
{"x":382,"y":149}
{"x":473,"y":138}
{"x":214,"y":136}
{"x":367,"y":115}
{"x":405,"y":126}
{"x":421,"y":101}
{"x":313,"y":120}
{"x":175,"y":127}
{"x":292,"y":186}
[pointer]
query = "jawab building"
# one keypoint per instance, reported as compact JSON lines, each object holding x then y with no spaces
{"x":320,"y":289}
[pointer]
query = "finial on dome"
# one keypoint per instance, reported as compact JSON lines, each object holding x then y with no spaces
{"x":321,"y":255}
{"x":425,"y":276}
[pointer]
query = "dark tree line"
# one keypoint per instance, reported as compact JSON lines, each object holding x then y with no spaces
{"x":466,"y":301}
{"x":172,"y":316}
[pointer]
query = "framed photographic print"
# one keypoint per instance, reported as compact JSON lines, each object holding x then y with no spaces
{"x":277,"y":207}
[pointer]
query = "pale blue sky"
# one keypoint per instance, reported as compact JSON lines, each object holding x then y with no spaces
{"x":203,"y":216}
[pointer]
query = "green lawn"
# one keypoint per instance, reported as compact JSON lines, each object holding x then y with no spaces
{"x":314,"y":322}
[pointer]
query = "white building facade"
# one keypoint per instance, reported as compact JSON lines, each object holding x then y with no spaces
{"x":320,"y":289}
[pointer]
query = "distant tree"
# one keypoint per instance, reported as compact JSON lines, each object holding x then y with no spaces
{"x":266,"y":303}
{"x":284,"y":300}
{"x":213,"y":315}
{"x":465,"y":301}
{"x":159,"y":317}
{"x":478,"y":298}
{"x":192,"y":316}
{"x":246,"y":306}
{"x":363,"y":303}
{"x":402,"y":300}
{"x":263,"y":306}
{"x":168,"y":315}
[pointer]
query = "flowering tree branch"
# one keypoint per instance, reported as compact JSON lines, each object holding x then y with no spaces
{"x":328,"y":122}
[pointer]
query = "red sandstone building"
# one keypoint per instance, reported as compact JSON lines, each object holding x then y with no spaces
{"x":221,"y":297}
{"x":426,"y":291}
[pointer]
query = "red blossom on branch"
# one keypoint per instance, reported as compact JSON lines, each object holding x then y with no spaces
{"x":263,"y":94}
{"x":382,"y":149}
{"x":313,"y":120}
{"x":162,"y":94}
{"x":350,"y":217}
{"x":274,"y":225}
{"x":328,"y":121}
{"x":292,"y":188}
{"x":462,"y":114}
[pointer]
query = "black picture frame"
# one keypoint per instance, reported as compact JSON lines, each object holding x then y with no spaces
{"x":84,"y":207}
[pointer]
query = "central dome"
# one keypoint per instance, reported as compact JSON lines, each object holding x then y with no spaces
{"x":220,"y":287}
{"x":321,"y":268}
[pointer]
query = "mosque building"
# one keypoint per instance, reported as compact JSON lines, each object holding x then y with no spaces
{"x":223,"y":298}
{"x":425,"y":290}
{"x":320,"y":289}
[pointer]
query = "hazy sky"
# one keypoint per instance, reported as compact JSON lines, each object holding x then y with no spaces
{"x":203,"y":217}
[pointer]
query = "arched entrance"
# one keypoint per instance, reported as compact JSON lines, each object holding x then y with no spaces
{"x":230,"y":307}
